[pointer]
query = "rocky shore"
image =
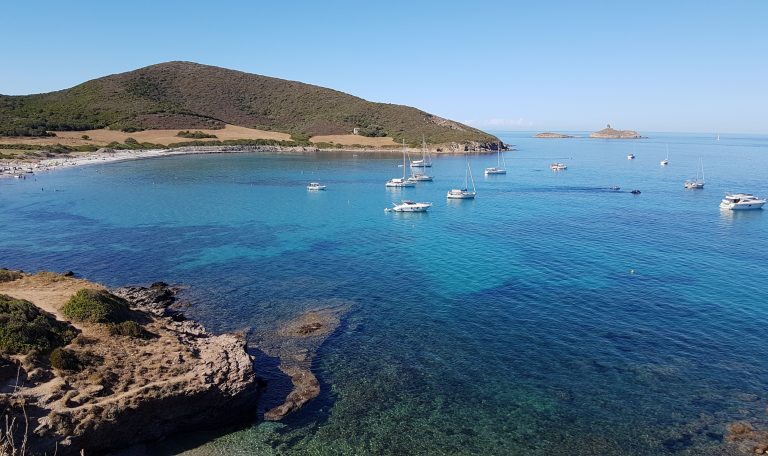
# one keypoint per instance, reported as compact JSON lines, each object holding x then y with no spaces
{"x":116,"y":389}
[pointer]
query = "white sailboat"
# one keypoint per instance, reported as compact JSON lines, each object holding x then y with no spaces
{"x":464,"y":193}
{"x":498,"y":169}
{"x":398,"y":182}
{"x":665,"y":162}
{"x":426,"y":159}
{"x":698,"y":183}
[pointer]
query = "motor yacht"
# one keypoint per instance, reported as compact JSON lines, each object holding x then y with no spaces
{"x":741,"y":201}
{"x":409,"y":206}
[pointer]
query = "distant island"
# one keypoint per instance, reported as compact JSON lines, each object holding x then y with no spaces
{"x":610,"y":133}
{"x":184,"y":102}
{"x":549,"y":134}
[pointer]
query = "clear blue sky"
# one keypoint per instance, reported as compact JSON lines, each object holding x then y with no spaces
{"x":695,"y":66}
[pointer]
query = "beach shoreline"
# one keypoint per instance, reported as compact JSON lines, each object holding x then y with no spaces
{"x":19,"y":167}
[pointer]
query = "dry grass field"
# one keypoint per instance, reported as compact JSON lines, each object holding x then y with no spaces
{"x":349,"y":140}
{"x":103,"y":137}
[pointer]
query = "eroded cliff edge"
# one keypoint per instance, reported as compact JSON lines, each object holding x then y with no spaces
{"x":113,"y":384}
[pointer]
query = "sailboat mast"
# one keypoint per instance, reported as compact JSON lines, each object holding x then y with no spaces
{"x":469,"y":170}
{"x":403,"y":158}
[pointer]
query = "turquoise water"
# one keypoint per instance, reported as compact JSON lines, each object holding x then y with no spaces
{"x":511,"y":324}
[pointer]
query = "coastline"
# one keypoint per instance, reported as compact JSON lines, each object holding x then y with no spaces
{"x":164,"y":375}
{"x":13,"y":167}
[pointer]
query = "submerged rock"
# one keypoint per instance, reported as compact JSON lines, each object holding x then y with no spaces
{"x":295,"y":344}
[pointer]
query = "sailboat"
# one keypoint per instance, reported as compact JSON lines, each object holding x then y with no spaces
{"x":426,"y":160}
{"x":498,"y":169}
{"x":398,"y":182}
{"x":665,"y":162}
{"x":698,"y":183}
{"x":464,"y":193}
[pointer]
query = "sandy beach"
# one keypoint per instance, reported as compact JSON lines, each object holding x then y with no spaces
{"x":21,"y":167}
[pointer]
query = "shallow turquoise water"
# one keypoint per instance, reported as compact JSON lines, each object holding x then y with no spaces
{"x":506,"y":325}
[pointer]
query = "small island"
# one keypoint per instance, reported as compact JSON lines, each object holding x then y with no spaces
{"x":550,"y":134}
{"x":610,"y":133}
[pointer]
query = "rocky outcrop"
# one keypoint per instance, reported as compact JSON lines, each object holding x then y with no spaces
{"x":610,"y":133}
{"x":132,"y":389}
{"x":550,"y":134}
{"x":295,"y":344}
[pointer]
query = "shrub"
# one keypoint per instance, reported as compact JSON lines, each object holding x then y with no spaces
{"x":131,"y":129}
{"x":194,"y":135}
{"x":25,"y":328}
{"x":131,"y":141}
{"x":96,"y":306}
{"x":86,"y":137}
{"x":6,"y":275}
{"x":65,"y":360}
{"x":129,"y":328}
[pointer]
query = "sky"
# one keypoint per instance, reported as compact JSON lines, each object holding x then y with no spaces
{"x":684,"y":66}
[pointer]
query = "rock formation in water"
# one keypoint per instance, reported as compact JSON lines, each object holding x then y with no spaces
{"x":550,"y":134}
{"x":295,"y":344}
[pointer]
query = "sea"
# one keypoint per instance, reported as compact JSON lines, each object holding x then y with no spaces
{"x":550,"y":315}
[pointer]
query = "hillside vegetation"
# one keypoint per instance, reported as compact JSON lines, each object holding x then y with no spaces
{"x":190,"y":96}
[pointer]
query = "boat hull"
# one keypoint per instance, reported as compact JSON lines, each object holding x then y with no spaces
{"x":743,"y":206}
{"x":495,"y":171}
{"x":465,"y":195}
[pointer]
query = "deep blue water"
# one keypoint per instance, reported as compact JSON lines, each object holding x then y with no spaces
{"x":512,"y":324}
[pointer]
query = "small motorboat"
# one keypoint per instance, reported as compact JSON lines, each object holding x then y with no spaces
{"x":558,"y":166}
{"x":399,"y":182}
{"x":615,"y":188}
{"x":741,"y":202}
{"x":315,"y":186}
{"x":630,"y":156}
{"x":409,"y":206}
{"x":635,"y":192}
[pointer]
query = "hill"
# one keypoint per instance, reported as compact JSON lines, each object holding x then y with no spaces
{"x":185,"y":95}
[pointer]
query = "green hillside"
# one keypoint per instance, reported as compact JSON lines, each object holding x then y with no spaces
{"x":184,"y":95}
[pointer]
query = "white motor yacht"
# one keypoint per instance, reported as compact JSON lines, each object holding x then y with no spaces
{"x":630,"y":156}
{"x":314,"y":186}
{"x":409,"y":206}
{"x":741,"y":201}
{"x":558,"y":166}
{"x":400,"y":182}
